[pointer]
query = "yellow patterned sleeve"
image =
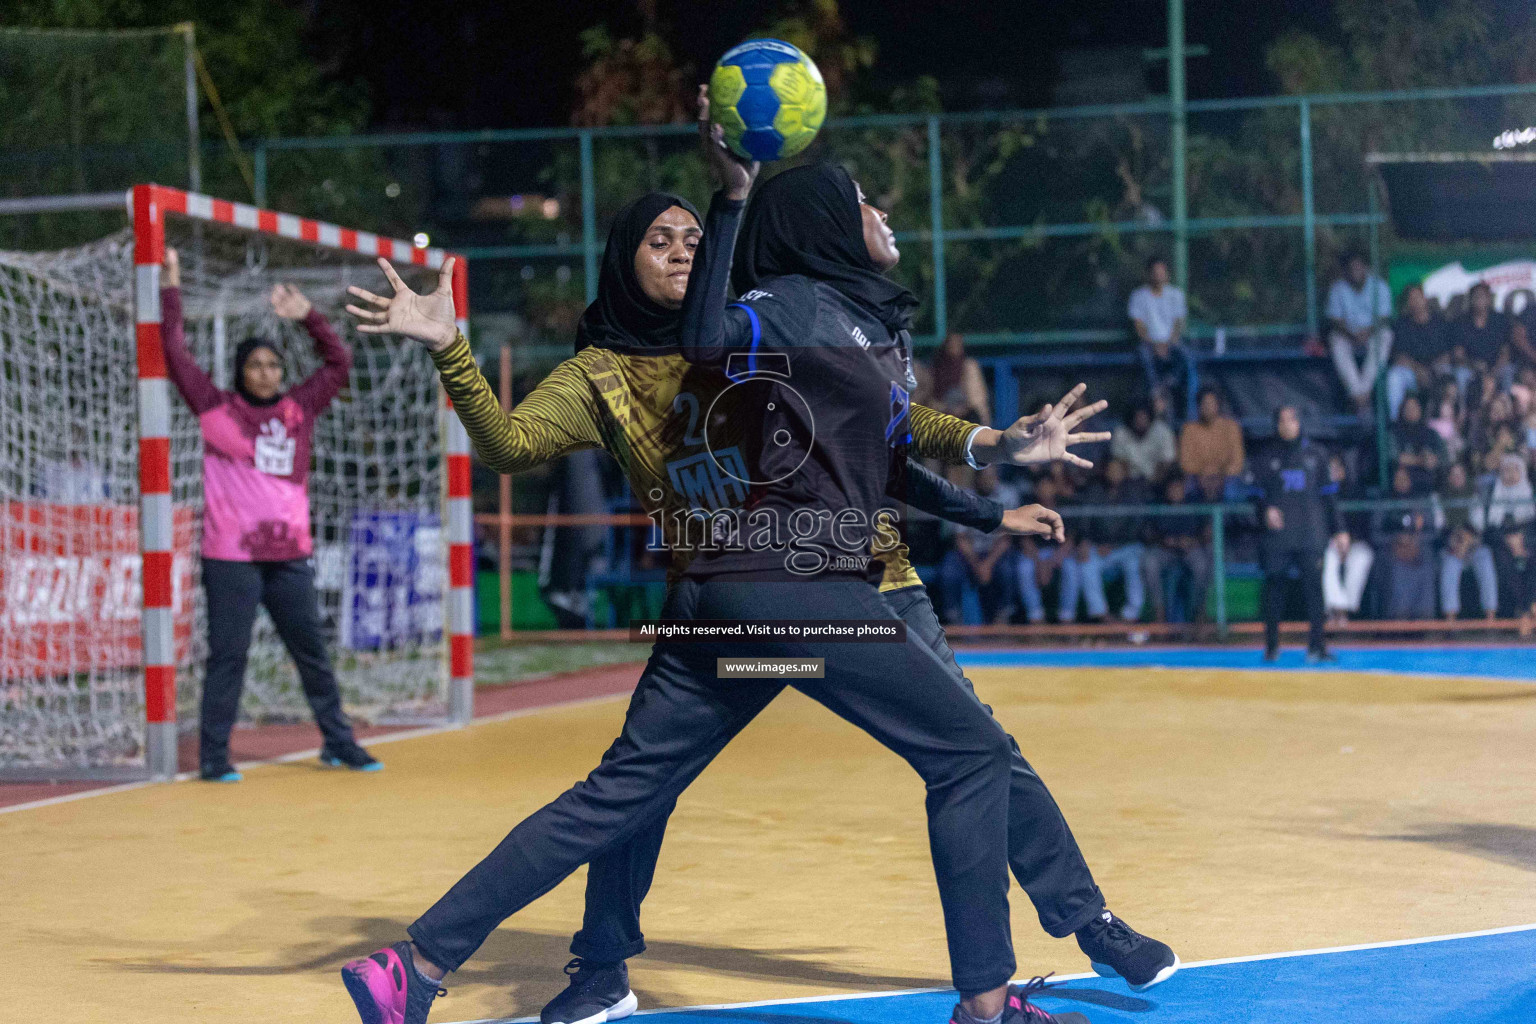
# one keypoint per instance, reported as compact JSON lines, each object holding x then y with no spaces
{"x":557,"y":418}
{"x":938,"y":435}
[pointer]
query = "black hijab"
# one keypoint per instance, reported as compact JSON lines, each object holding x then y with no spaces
{"x":807,"y":221}
{"x":622,"y":318}
{"x":243,"y":352}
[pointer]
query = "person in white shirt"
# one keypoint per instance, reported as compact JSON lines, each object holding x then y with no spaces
{"x":1158,"y":311}
{"x":1359,"y":305}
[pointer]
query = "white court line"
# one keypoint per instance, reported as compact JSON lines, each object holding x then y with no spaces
{"x":301,"y":755}
{"x":1054,"y":978}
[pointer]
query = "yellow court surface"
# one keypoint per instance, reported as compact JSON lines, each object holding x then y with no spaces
{"x":1227,"y":812}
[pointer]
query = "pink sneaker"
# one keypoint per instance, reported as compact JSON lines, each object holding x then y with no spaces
{"x":387,"y":988}
{"x":1019,"y":1010}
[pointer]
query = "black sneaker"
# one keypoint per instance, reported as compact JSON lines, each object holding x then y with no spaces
{"x":597,"y":993}
{"x":387,"y":988}
{"x":1019,"y":1010}
{"x":1321,"y":656}
{"x":1271,"y":654}
{"x":219,"y":771}
{"x":1118,"y":950}
{"x":349,"y":755}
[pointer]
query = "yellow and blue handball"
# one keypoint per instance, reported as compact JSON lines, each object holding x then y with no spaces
{"x":770,"y":99}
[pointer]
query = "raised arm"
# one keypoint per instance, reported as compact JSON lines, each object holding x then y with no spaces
{"x":316,"y":392}
{"x":710,"y":331}
{"x":559,"y":417}
{"x":196,"y":387}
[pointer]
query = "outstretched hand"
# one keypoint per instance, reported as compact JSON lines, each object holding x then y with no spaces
{"x":1033,"y":521}
{"x":428,"y":318}
{"x":1046,"y":436}
{"x":734,"y":175}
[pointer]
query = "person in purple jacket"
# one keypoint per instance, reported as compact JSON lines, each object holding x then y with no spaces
{"x":256,"y":537}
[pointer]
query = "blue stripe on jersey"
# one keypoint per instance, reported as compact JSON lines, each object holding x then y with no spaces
{"x":757,"y":336}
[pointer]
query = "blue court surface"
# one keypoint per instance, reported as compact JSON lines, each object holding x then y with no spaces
{"x":1479,"y":978}
{"x":1486,"y":662}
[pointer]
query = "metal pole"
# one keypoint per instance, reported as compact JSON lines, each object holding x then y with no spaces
{"x":936,"y":225}
{"x":194,"y":135}
{"x":1219,"y":568}
{"x":259,"y":173}
{"x":460,"y":522}
{"x":1308,"y":214}
{"x":156,"y":516}
{"x":1383,"y":410}
{"x":504,"y":506}
{"x":588,"y":217}
{"x":1178,"y":143}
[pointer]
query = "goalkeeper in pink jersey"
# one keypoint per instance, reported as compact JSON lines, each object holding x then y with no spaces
{"x":256,"y":539}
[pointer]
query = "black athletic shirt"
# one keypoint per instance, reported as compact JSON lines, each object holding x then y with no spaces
{"x":1423,"y":343}
{"x":817,"y":420}
{"x":1481,"y":343}
{"x":1293,"y":477}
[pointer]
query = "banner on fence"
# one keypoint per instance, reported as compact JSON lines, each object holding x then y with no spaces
{"x":392,"y":589}
{"x":70,"y":586}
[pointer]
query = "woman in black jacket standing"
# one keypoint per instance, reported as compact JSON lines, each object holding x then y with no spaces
{"x":1294,"y":495}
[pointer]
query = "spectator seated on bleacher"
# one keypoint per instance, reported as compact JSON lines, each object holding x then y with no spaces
{"x":1359,"y":338}
{"x":1177,"y":560}
{"x":952,"y":382}
{"x":1404,"y":532}
{"x":1463,"y":548}
{"x":1346,"y":570}
{"x":1212,"y":445}
{"x":1509,"y":501}
{"x":1113,"y":544}
{"x":1039,"y":563}
{"x":1414,"y":445}
{"x":1517,"y":576}
{"x":1483,"y":335}
{"x":984,"y":563}
{"x":1420,"y":341}
{"x":1448,"y":420}
{"x":1145,"y":445}
{"x":1158,"y":312}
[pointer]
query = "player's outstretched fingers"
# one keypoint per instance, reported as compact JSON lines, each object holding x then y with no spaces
{"x":394,"y":278}
{"x":444,"y":277}
{"x":367,"y":296}
{"x":1077,"y":460}
{"x":368,"y":316}
{"x":1085,"y":413}
{"x":1069,"y":399}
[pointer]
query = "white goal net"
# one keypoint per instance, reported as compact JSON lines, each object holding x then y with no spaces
{"x":72,"y":684}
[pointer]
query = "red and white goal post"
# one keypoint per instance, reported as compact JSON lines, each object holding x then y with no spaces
{"x":79,"y":694}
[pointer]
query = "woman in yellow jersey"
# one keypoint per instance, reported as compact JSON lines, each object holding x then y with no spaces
{"x":627,"y":390}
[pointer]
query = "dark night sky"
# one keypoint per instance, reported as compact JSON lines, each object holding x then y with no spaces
{"x":483,"y":63}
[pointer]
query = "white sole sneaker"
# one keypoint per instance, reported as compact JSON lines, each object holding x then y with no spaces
{"x":618,"y":1011}
{"x":1106,"y":971}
